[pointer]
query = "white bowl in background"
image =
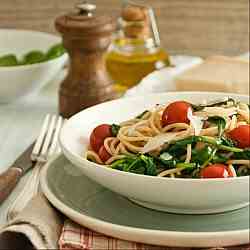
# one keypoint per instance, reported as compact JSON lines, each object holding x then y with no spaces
{"x":190,"y":196}
{"x":17,"y":81}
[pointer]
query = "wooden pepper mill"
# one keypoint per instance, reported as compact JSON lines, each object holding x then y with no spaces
{"x":86,"y":37}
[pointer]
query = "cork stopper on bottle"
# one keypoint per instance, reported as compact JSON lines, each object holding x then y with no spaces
{"x":136,"y":21}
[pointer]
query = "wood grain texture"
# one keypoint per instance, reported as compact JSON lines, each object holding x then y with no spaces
{"x":85,"y":85}
{"x":8,"y":181}
{"x":197,"y":27}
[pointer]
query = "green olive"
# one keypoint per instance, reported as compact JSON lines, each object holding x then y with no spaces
{"x":8,"y":60}
{"x":34,"y":56}
{"x":55,"y":51}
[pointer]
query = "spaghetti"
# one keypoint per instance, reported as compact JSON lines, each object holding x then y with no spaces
{"x":189,"y":130}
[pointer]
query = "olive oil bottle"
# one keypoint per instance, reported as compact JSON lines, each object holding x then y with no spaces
{"x":135,"y":51}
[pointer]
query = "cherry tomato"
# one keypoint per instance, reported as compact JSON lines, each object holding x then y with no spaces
{"x":103,"y":154}
{"x":241,"y":135}
{"x":175,"y":112}
{"x":98,"y":135}
{"x":216,"y":171}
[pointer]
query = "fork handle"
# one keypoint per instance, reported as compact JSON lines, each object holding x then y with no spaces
{"x":8,"y":180}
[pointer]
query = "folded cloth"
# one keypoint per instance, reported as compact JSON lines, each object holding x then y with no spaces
{"x":163,"y":80}
{"x":30,"y":189}
{"x":38,"y":226}
{"x":75,"y":237}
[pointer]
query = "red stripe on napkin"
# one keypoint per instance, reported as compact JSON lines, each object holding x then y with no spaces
{"x":75,"y":237}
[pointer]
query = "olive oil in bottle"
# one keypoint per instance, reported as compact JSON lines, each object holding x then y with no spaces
{"x":134,"y":52}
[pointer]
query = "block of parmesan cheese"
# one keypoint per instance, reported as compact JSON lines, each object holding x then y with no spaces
{"x":217,"y":73}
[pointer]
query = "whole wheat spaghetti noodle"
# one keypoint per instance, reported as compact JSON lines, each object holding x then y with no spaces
{"x":176,"y":147}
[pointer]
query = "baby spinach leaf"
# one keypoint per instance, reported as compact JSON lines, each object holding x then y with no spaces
{"x":214,"y":150}
{"x":142,"y":114}
{"x":140,"y":164}
{"x":220,"y":122}
{"x":132,"y":166}
{"x":197,"y":107}
{"x":185,"y":165}
{"x":122,"y":163}
{"x":213,"y":104}
{"x":189,"y":169}
{"x":202,"y":155}
{"x":245,"y":155}
{"x":218,"y":142}
{"x":223,"y":102}
{"x":179,"y":148}
{"x":219,"y":158}
{"x":227,"y":141}
{"x":149,"y":165}
{"x":168,"y":161}
{"x":206,"y":155}
{"x":115,"y":129}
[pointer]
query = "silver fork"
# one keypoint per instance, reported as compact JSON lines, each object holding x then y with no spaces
{"x":47,"y":142}
{"x":45,"y":147}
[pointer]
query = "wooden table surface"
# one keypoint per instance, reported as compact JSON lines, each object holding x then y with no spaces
{"x":193,"y":27}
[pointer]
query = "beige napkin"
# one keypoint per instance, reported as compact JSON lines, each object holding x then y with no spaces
{"x":40,"y":226}
{"x":30,"y":190}
{"x":37,"y":226}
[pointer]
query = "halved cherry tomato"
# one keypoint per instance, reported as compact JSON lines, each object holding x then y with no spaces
{"x":241,"y":135}
{"x":175,"y":112}
{"x":216,"y":171}
{"x":103,"y":154}
{"x":98,"y":135}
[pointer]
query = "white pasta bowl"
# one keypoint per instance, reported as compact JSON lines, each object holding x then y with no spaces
{"x":18,"y":81}
{"x":190,"y":196}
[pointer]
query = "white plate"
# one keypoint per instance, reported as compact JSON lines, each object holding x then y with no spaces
{"x":190,"y":196}
{"x":101,"y":210}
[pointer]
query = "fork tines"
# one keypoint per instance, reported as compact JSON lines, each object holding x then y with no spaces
{"x":47,"y":142}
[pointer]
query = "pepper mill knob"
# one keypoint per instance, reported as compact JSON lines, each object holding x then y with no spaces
{"x":86,"y":8}
{"x":86,"y":37}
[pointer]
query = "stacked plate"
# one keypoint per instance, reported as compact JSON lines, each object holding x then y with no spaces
{"x":93,"y":204}
{"x":99,"y":209}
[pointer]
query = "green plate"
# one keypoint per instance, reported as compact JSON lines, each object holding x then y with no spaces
{"x":93,"y":206}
